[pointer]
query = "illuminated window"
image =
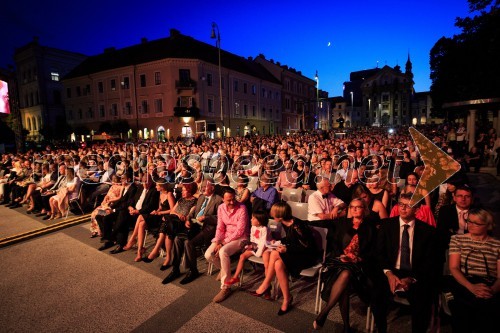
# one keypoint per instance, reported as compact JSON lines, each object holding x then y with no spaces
{"x":54,"y":76}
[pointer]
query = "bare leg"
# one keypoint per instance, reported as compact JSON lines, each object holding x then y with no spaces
{"x":282,"y":276}
{"x":140,"y":239}
{"x":243,"y":257}
{"x":156,"y":250}
{"x":131,"y":240}
{"x":273,"y":256}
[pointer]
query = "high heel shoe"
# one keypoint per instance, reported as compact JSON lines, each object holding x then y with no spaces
{"x":266,"y":292}
{"x":147,"y":259}
{"x":319,"y":322}
{"x":288,"y":307}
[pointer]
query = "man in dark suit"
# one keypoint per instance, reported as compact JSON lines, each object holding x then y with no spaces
{"x":452,"y":218}
{"x":406,"y":255}
{"x":204,"y":213}
{"x":113,"y":225}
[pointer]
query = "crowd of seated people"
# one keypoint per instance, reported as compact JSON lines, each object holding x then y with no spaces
{"x":197,"y":196}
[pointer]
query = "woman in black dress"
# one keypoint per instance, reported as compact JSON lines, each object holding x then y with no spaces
{"x":349,"y":264}
{"x":296,"y":251}
{"x":153,"y":219}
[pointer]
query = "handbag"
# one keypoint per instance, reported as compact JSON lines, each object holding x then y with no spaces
{"x":462,"y":294}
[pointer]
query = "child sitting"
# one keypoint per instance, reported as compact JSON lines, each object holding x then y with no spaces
{"x":259,"y":237}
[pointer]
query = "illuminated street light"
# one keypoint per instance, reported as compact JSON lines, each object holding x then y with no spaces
{"x":217,"y":44}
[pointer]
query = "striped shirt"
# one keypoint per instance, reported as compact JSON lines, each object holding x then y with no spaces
{"x":465,"y":245}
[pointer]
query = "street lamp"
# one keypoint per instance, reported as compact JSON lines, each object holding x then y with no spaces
{"x":316,"y":77}
{"x":352,"y":104}
{"x":217,"y":44}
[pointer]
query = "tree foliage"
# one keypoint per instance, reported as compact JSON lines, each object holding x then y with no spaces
{"x":466,"y":66}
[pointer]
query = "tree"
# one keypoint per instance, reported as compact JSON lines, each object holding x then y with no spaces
{"x":466,"y":66}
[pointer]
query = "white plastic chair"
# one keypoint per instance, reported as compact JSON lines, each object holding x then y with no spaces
{"x":291,"y":194}
{"x":299,"y":210}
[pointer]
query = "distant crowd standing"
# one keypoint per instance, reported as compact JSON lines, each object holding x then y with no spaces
{"x":217,"y":196}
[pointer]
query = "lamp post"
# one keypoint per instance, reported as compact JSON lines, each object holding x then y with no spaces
{"x":217,"y":44}
{"x":316,"y":77}
{"x":352,"y":104}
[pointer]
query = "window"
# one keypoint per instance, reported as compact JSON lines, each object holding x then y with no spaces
{"x":100,"y":87}
{"x":144,"y":105}
{"x":54,"y":76}
{"x":184,"y":75}
{"x":270,"y":113}
{"x":78,"y":91}
{"x":235,"y":85}
{"x":157,"y":78}
{"x":245,"y":110}
{"x":128,"y":108}
{"x":385,"y":98}
{"x":158,"y":105}
{"x":87,"y":88}
{"x":80,"y":114}
{"x":236,"y":108}
{"x":245,"y":88}
{"x":210,"y":80}
{"x":263,"y":92}
{"x":254,"y":89}
{"x":142,"y":79}
{"x":126,"y":83}
{"x":101,"y":111}
{"x":114,"y":110}
{"x":113,"y":84}
{"x":70,"y":114}
{"x":90,"y":113}
{"x":68,"y":92}
{"x":210,"y":105}
{"x":253,"y":110}
{"x":185,"y":101}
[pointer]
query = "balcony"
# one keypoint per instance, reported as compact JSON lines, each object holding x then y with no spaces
{"x":185,"y":85}
{"x":180,"y":111}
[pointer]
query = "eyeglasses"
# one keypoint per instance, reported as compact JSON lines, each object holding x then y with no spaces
{"x":469,"y":221}
{"x":404,"y":206}
{"x":356,"y":207}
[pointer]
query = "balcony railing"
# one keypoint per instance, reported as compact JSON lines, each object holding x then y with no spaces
{"x":185,"y":85}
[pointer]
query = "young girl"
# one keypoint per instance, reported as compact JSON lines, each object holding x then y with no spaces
{"x":259,"y":237}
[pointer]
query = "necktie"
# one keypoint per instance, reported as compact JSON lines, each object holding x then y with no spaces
{"x":462,"y":224}
{"x":405,"y":250}
{"x":202,"y":210}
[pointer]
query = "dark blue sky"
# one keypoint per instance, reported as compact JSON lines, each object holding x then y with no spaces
{"x":330,"y":36}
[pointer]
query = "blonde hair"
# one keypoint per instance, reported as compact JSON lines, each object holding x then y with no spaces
{"x":484,"y":216}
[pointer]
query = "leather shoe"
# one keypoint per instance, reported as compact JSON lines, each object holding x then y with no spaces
{"x":105,"y":246}
{"x":40,"y":214}
{"x":174,"y":274}
{"x":117,"y":249}
{"x":190,"y":277}
{"x":46,"y":217}
{"x":15,"y":205}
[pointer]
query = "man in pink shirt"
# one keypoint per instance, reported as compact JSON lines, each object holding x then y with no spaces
{"x":232,"y":228}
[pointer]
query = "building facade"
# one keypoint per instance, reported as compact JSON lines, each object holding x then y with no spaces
{"x":40,"y":70}
{"x":380,"y":96}
{"x":170,"y":87}
{"x":299,"y":100}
